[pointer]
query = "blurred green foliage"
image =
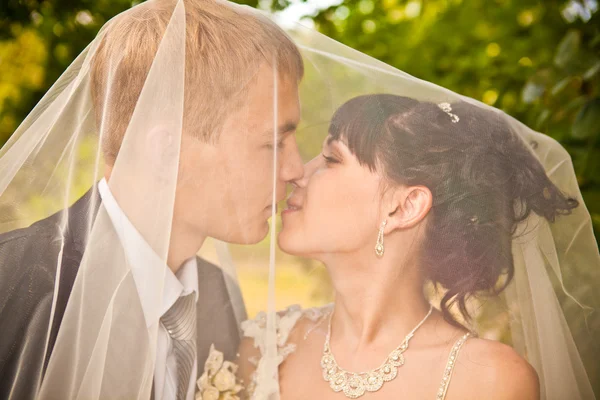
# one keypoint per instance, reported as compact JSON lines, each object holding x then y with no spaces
{"x":38,"y":40}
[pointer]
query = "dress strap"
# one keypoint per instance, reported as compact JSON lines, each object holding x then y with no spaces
{"x":441,"y":394}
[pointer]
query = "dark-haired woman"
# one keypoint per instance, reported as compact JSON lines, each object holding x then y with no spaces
{"x":405,"y":193}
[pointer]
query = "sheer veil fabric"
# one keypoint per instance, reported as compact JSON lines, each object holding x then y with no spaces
{"x":97,"y":340}
{"x":149,"y":100}
{"x":549,"y":310}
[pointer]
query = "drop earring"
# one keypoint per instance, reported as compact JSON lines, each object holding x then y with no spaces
{"x":379,"y":249}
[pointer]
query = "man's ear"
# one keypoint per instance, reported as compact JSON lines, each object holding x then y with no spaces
{"x":162,"y":146}
{"x":161,"y":152}
{"x":407,"y":206}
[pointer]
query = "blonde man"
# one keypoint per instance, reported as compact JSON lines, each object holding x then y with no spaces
{"x":236,"y":63}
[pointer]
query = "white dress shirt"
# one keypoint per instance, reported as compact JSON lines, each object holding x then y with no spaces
{"x":147,"y":269}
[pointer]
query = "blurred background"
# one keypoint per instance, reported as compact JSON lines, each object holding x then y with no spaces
{"x":537,"y":60}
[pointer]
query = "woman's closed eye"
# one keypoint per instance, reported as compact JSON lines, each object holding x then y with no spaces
{"x":330,"y":160}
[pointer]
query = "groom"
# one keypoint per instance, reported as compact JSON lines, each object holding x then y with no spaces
{"x":215,"y":196}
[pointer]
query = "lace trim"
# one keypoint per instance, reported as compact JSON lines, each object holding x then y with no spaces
{"x":255,"y":329}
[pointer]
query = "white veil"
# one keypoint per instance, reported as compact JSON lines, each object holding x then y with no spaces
{"x":152,"y":87}
{"x":55,"y":231}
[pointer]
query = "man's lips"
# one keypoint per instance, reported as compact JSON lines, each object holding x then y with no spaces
{"x":270,"y":207}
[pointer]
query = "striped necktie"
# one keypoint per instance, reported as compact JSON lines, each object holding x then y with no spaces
{"x":180,"y":323}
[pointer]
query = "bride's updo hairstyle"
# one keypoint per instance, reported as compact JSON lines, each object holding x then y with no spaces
{"x":483,"y":179}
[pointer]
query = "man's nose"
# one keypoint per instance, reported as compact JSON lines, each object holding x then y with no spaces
{"x":291,"y":168}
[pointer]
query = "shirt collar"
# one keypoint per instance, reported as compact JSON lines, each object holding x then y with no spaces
{"x":150,"y":273}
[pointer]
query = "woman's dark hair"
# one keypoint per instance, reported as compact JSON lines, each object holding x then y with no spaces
{"x":483,"y":180}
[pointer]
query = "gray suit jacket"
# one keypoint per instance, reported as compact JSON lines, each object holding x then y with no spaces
{"x":27,"y":273}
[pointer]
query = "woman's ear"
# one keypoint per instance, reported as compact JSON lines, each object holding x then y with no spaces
{"x":407,"y":206}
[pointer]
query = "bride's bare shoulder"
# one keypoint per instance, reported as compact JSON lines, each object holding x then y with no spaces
{"x":491,"y":367}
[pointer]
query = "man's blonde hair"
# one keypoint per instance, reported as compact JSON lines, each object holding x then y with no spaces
{"x":225,"y":46}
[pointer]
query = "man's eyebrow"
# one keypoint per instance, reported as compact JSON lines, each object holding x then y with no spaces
{"x":283,"y":129}
{"x":288,"y":127}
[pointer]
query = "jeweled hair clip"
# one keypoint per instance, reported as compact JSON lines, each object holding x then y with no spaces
{"x":447,"y":108}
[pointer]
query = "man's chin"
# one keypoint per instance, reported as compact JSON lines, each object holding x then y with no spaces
{"x":256,"y":238}
{"x":249,"y":235}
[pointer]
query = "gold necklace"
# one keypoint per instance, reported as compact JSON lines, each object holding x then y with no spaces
{"x":356,"y":384}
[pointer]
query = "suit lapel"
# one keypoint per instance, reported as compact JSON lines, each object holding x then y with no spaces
{"x":75,"y":239}
{"x":217,"y":322}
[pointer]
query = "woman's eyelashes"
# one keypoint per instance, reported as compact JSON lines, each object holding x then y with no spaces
{"x":330,"y":160}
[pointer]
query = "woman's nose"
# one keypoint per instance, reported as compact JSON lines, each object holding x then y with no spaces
{"x":309,"y":169}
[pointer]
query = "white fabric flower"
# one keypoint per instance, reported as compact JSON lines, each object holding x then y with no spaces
{"x":219,"y":380}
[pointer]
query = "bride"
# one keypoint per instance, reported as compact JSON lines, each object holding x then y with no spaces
{"x":406,"y":193}
{"x":460,"y":252}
